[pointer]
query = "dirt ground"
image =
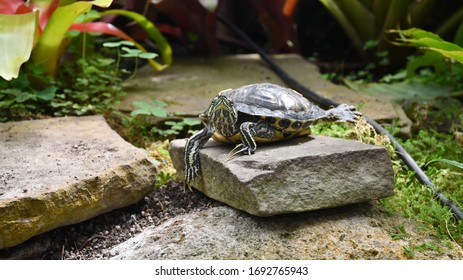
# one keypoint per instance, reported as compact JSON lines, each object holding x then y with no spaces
{"x":94,"y":238}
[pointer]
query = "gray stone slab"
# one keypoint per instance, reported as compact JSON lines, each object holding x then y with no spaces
{"x":354,"y":232}
{"x":62,"y":171}
{"x":189,"y":84}
{"x":293,"y":176}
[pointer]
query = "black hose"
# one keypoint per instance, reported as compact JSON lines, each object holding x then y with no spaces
{"x":326,"y":102}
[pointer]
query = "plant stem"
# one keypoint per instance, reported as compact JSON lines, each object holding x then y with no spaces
{"x":134,"y":70}
{"x":84,"y":47}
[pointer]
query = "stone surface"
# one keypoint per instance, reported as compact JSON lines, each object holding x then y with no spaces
{"x":189,"y":84}
{"x":302,"y":174}
{"x":360,"y":231}
{"x":62,"y":171}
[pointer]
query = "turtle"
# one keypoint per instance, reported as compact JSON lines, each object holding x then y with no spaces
{"x":262,"y":112}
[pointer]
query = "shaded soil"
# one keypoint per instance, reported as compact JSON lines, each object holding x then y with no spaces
{"x":94,"y":238}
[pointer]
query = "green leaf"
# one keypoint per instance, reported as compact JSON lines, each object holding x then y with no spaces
{"x":130,"y":52}
{"x":24,"y":96}
{"x":433,"y":59}
{"x":417,"y":33}
{"x":89,"y":16}
{"x":191,"y":121}
{"x":141,"y":104}
{"x":145,"y":108}
{"x":158,"y":112}
{"x":429,"y":41}
{"x":18,"y":33}
{"x":21,"y":83}
{"x":159,"y":103}
{"x":6,"y":103}
{"x":154,"y":34}
{"x":447,"y":161}
{"x":407,"y":90}
{"x":118,"y":44}
{"x":12,"y":91}
{"x":111,"y":44}
{"x":49,"y":47}
{"x":137,"y":112}
{"x":147,"y":55}
{"x":47,"y":94}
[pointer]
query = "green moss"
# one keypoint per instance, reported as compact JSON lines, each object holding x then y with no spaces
{"x":412,"y":199}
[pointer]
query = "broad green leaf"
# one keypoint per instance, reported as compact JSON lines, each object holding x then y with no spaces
{"x":145,"y":108}
{"x":17,"y":35}
{"x":158,"y":112}
{"x":417,"y":91}
{"x":154,"y":34}
{"x":147,"y":55}
{"x":141,"y":104}
{"x":433,"y":59}
{"x":154,"y":111}
{"x":433,"y":43}
{"x":49,"y":46}
{"x":191,"y":121}
{"x":24,"y":96}
{"x":131,"y":51}
{"x":47,"y":94}
{"x":456,"y":55}
{"x":159,"y":103}
{"x":429,"y":41}
{"x":7,"y":103}
{"x":117,"y":44}
{"x":417,"y":33}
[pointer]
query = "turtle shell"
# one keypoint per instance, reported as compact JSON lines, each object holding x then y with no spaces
{"x":270,"y":100}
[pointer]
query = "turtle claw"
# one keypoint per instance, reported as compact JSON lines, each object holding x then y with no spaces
{"x":191,"y":173}
{"x":346,"y":113}
{"x":239,"y":149}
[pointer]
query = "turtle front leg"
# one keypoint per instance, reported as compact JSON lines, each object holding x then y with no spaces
{"x":191,"y":157}
{"x":248,"y":144}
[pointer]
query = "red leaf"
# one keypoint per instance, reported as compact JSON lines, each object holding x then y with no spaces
{"x":10,"y":6}
{"x":100,"y":27}
{"x":23,"y":9}
{"x":172,"y":30}
{"x":191,"y":17}
{"x":46,"y":12}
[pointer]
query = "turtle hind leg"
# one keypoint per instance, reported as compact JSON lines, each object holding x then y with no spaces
{"x":343,"y":113}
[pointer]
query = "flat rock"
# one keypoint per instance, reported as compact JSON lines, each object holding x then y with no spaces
{"x":361,"y":231}
{"x":62,"y":171}
{"x":189,"y":84}
{"x":303,"y":174}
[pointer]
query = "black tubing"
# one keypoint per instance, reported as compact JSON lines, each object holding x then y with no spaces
{"x":326,"y":102}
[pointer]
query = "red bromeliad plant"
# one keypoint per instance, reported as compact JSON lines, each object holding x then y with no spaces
{"x":37,"y":31}
{"x":193,"y":23}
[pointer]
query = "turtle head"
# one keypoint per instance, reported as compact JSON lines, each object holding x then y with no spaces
{"x":222,"y":113}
